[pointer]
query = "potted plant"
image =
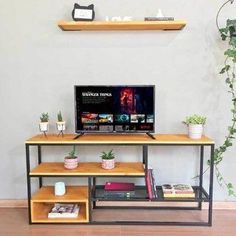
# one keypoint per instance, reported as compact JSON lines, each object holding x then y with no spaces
{"x":61,"y":124}
{"x":43,"y":125}
{"x":108,"y":160}
{"x":195,"y":125}
{"x":71,"y":161}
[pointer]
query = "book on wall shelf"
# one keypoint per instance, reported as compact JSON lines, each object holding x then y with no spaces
{"x":178,"y":191}
{"x":63,"y":210}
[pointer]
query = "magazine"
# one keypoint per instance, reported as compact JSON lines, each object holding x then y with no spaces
{"x":62,"y":210}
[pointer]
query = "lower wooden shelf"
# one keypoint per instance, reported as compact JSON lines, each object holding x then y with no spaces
{"x":43,"y":201}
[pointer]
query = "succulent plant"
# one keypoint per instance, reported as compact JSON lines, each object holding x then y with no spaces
{"x":108,"y":155}
{"x":59,"y":117}
{"x":44,"y":117}
{"x":195,"y":120}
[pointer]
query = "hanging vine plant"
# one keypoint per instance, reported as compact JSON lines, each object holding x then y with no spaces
{"x":228,"y":34}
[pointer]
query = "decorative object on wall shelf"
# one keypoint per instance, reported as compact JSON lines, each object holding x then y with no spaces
{"x":83,"y":13}
{"x":159,"y":17}
{"x":71,"y":161}
{"x":119,"y":18}
{"x":122,"y":25}
{"x":43,"y":125}
{"x":195,"y":125}
{"x":61,"y":124}
{"x":108,"y":160}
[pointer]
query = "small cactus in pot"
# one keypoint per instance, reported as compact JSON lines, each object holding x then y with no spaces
{"x":43,"y":125}
{"x":71,"y":161}
{"x":108,"y":160}
{"x":61,"y":124}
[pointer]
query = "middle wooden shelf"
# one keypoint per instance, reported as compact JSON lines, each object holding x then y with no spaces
{"x":88,"y":169}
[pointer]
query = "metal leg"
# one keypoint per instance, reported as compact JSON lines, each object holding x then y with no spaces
{"x":39,"y":162}
{"x":201,"y":175}
{"x":94,"y":189}
{"x":211,"y":185}
{"x":89,"y":200}
{"x":145,"y":157}
{"x":145,"y":162}
{"x":28,"y":180}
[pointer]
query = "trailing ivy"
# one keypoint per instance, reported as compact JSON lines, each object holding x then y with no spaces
{"x":228,"y":34}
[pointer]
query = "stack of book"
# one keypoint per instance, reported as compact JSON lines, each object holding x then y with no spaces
{"x":178,"y":191}
{"x":151,"y":184}
{"x":62,"y":210}
{"x":159,"y":18}
{"x":119,"y":190}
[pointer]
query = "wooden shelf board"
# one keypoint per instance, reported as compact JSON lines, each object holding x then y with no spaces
{"x":73,"y":194}
{"x":40,"y":211}
{"x":121,"y":25}
{"x":141,"y":139}
{"x":89,"y":168}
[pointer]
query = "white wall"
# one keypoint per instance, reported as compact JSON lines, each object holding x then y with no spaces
{"x":39,"y":64}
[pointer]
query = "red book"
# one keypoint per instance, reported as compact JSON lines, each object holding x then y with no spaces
{"x":118,"y":186}
{"x":148,"y":184}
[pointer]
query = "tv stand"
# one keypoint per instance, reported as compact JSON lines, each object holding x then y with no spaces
{"x":150,"y":135}
{"x":94,"y":205}
{"x":79,"y":135}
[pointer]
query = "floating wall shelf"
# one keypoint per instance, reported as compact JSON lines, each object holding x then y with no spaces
{"x":121,"y":25}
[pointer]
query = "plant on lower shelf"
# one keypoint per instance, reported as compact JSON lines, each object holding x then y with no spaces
{"x":43,"y":125}
{"x":195,"y":125}
{"x":71,"y":161}
{"x":108,"y":160}
{"x":228,"y":33}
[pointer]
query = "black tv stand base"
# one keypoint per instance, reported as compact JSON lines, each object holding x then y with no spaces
{"x":150,"y":135}
{"x":79,"y":135}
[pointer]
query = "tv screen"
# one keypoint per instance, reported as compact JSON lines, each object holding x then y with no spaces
{"x":114,"y":109}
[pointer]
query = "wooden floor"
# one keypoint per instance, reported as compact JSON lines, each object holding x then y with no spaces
{"x":14,"y":222}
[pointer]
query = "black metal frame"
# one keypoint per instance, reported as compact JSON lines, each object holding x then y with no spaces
{"x":92,"y":186}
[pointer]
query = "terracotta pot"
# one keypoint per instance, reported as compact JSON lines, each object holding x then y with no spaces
{"x":70,"y":163}
{"x":195,"y":131}
{"x":43,"y":126}
{"x":61,"y":126}
{"x":108,"y":164}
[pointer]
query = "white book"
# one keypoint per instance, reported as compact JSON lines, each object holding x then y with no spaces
{"x":64,"y":211}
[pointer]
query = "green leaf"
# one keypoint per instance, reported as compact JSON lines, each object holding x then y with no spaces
{"x":233,"y":41}
{"x":231,"y":192}
{"x":228,"y":81}
{"x":230,"y":53}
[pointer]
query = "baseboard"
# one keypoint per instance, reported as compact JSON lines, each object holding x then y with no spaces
{"x":216,"y":205}
{"x":13,"y":203}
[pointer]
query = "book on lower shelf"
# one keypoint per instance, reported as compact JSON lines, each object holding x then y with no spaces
{"x":151,"y":184}
{"x":178,"y":191}
{"x":63,"y":210}
{"x":119,"y":190}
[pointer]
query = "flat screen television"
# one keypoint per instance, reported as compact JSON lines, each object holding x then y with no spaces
{"x":118,"y":109}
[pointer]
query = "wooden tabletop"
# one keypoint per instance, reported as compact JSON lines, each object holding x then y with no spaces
{"x":118,"y":139}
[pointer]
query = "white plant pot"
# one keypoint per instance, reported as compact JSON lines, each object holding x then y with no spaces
{"x":43,"y":126}
{"x":195,"y":131}
{"x":108,"y":164}
{"x":61,"y":126}
{"x":70,"y":163}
